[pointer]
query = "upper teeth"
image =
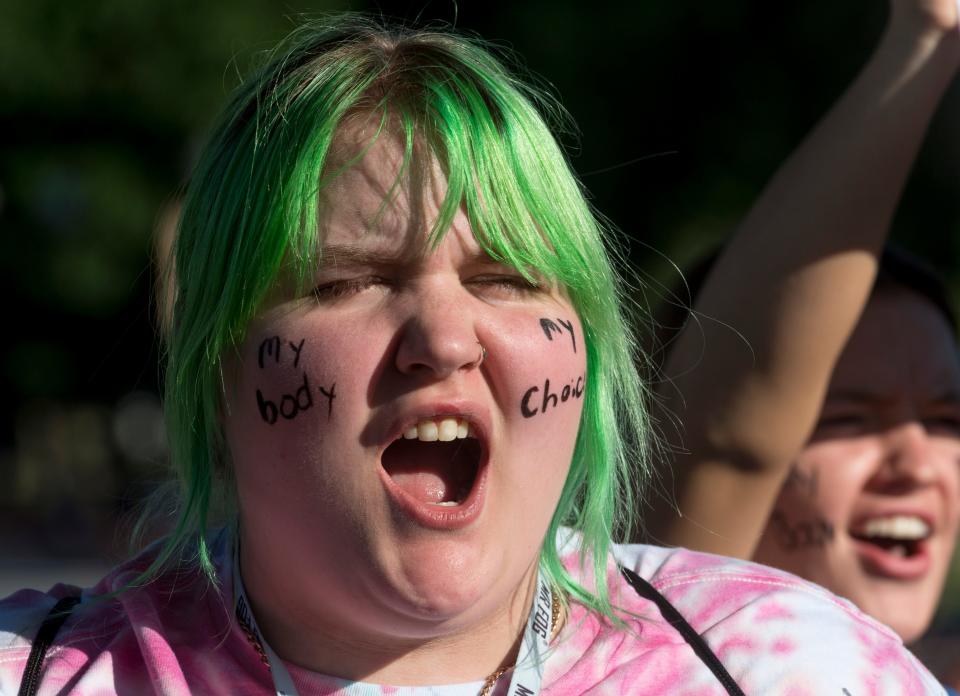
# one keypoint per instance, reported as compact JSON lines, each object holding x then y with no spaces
{"x":905,"y":527}
{"x":444,"y":430}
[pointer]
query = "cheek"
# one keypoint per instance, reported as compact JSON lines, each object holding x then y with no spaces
{"x":829,"y":476}
{"x":546,"y":380}
{"x":948,"y":463}
{"x":284,"y":403}
{"x":816,"y":500}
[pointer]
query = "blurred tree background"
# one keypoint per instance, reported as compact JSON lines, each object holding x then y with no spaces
{"x":685,"y":110}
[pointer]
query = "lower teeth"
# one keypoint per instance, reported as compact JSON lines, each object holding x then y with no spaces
{"x":447,"y":503}
{"x":898,"y":550}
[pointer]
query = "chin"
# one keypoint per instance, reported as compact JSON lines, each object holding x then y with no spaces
{"x":440,"y":580}
{"x":909,"y":625}
{"x":907,"y":616}
{"x":910,"y":633}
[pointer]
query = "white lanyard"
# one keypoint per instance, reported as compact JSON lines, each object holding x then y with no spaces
{"x":527,"y":674}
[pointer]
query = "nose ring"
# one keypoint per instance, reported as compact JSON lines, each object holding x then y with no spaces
{"x":483,"y":354}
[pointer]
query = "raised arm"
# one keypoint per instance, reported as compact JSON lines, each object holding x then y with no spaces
{"x":792,"y":283}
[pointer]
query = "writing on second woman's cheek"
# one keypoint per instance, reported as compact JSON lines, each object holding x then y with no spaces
{"x":804,"y":482}
{"x":800,"y":534}
{"x":275,"y":352}
{"x":797,"y":534}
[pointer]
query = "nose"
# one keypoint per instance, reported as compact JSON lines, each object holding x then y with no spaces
{"x":439,"y":337}
{"x":908,"y":457}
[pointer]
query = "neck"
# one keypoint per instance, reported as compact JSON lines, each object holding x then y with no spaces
{"x":318,"y":638}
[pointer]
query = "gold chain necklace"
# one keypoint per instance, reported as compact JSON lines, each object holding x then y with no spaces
{"x":555,"y":621}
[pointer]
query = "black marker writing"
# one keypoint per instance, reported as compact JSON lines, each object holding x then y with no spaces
{"x":296,"y":349}
{"x":803,"y":534}
{"x":568,"y":325}
{"x":521,"y":690}
{"x":549,"y":399}
{"x":289,"y":406}
{"x":271,"y":348}
{"x":806,"y":483}
{"x":331,"y":395}
{"x":549,"y":328}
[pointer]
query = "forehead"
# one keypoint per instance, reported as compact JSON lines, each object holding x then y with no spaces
{"x":902,"y":345}
{"x":380,"y":191}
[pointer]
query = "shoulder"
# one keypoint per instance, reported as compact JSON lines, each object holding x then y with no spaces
{"x":136,"y":633}
{"x":773,"y":630}
{"x":21,"y":616}
{"x":774,"y":633}
{"x":717,"y":586}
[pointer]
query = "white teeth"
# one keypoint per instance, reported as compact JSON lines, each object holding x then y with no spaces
{"x":444,"y":430}
{"x":428,"y":431}
{"x":447,"y":431}
{"x":906,"y":527}
{"x":447,"y":503}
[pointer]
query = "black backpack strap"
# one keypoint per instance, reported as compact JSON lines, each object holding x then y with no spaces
{"x":48,"y":631}
{"x":694,"y":639}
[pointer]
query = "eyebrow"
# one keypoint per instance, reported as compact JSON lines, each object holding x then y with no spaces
{"x":351,"y":255}
{"x":334,"y":255}
{"x":853,"y":394}
{"x":950,"y":396}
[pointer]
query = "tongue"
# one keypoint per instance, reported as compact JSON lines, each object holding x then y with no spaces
{"x":897,"y":547}
{"x":432,"y":472}
{"x":425,"y":486}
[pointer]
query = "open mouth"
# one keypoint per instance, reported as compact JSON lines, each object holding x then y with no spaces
{"x":902,"y":536}
{"x":436,"y":462}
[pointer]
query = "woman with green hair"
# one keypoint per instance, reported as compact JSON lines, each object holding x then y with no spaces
{"x":398,"y":357}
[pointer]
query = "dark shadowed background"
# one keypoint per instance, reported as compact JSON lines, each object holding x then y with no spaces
{"x":685,"y":110}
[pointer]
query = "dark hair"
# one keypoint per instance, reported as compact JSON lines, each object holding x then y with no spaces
{"x":900,"y":269}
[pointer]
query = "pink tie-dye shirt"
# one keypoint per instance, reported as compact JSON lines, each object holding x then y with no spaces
{"x":775,"y":634}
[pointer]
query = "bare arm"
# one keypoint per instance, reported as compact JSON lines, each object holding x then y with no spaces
{"x":793,"y":282}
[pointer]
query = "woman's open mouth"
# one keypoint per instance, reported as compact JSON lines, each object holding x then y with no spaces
{"x":894,"y":545}
{"x":435,"y":471}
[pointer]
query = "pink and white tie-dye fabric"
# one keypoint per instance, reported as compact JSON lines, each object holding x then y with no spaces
{"x":775,"y":633}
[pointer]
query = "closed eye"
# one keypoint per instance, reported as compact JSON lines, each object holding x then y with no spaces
{"x":342,"y":288}
{"x":841,"y":421}
{"x":948,"y":424}
{"x":504,"y":285}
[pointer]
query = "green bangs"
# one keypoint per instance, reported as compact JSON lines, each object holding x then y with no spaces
{"x":251,"y":217}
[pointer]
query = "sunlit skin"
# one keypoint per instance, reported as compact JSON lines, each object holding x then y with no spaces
{"x":888,"y":442}
{"x":341,"y":579}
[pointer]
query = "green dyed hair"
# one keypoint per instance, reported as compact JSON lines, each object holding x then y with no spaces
{"x":250,"y":216}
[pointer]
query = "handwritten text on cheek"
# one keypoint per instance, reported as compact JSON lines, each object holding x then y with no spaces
{"x":288,"y":406}
{"x":550,"y":328}
{"x":536,"y":400}
{"x":800,"y":534}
